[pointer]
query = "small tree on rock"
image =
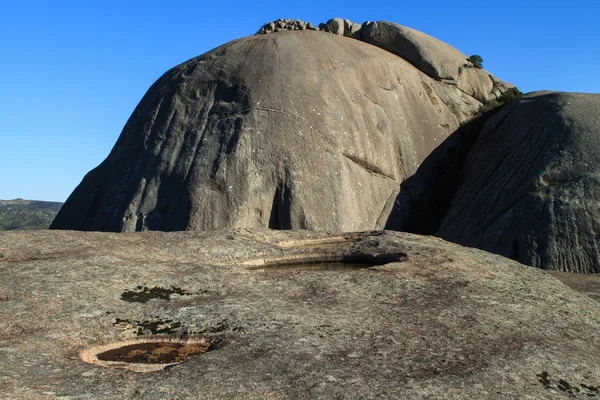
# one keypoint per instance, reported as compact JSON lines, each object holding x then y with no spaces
{"x":476,"y":60}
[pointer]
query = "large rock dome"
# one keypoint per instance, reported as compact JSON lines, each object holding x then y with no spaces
{"x":286,"y":130}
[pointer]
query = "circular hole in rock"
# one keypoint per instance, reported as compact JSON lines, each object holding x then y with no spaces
{"x":148,"y":354}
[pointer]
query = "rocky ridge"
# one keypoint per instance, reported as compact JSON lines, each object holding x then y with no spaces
{"x":430,"y":55}
{"x":337,"y":26}
{"x":27,"y":214}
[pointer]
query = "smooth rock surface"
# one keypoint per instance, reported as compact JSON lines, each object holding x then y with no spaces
{"x":530,"y":188}
{"x":286,"y":130}
{"x":433,"y":57}
{"x":448,"y":322}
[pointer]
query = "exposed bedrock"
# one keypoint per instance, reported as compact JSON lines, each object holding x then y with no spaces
{"x":287,"y":130}
{"x":434,"y":57}
{"x":443,"y":322}
{"x":526,"y":186}
{"x":431,"y":56}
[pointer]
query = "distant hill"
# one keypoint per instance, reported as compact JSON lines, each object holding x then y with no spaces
{"x":27,"y":214}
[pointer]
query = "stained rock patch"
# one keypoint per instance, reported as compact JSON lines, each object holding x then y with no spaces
{"x":146,"y":355}
{"x":152,"y":326}
{"x":142,"y":294}
{"x":564,"y":386}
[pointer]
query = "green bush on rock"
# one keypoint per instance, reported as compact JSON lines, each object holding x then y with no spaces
{"x":475,"y":61}
{"x":506,"y":97}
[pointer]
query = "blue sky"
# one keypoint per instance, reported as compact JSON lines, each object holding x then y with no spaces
{"x":71,"y":73}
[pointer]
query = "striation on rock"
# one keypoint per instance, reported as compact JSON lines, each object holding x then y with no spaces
{"x":530,"y":188}
{"x":286,"y":130}
{"x":520,"y":182}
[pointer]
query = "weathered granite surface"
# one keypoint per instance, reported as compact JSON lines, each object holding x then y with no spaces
{"x":431,"y":56}
{"x":434,"y":58}
{"x":521,"y":181}
{"x":446,"y":322}
{"x":530,"y":188}
{"x":286,"y":130}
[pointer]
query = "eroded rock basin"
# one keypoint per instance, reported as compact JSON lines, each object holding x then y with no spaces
{"x":438,"y":321}
{"x":147,"y":354}
{"x":152,"y":352}
{"x":315,"y":267}
{"x":335,"y":258}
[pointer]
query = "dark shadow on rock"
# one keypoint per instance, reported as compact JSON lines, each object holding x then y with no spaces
{"x":280,"y":217}
{"x":425,"y":196}
{"x":522,"y":183}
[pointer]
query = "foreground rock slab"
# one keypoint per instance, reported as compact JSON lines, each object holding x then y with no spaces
{"x":443,"y":321}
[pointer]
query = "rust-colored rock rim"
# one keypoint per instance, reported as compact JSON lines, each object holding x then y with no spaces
{"x":155,"y":353}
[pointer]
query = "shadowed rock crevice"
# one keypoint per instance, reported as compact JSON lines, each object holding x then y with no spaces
{"x":425,"y":197}
{"x":280,"y":217}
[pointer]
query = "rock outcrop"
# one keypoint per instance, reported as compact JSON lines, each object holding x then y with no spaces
{"x":285,"y":25}
{"x":287,"y":130}
{"x":336,"y":26}
{"x":531,"y":188}
{"x":431,"y":56}
{"x":446,"y":322}
{"x":522,"y":183}
{"x":434,"y":57}
{"x":314,"y":131}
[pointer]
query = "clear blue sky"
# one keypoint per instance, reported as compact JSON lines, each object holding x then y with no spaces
{"x":71,"y":73}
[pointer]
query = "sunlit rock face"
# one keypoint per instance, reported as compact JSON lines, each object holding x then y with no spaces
{"x":300,"y":129}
